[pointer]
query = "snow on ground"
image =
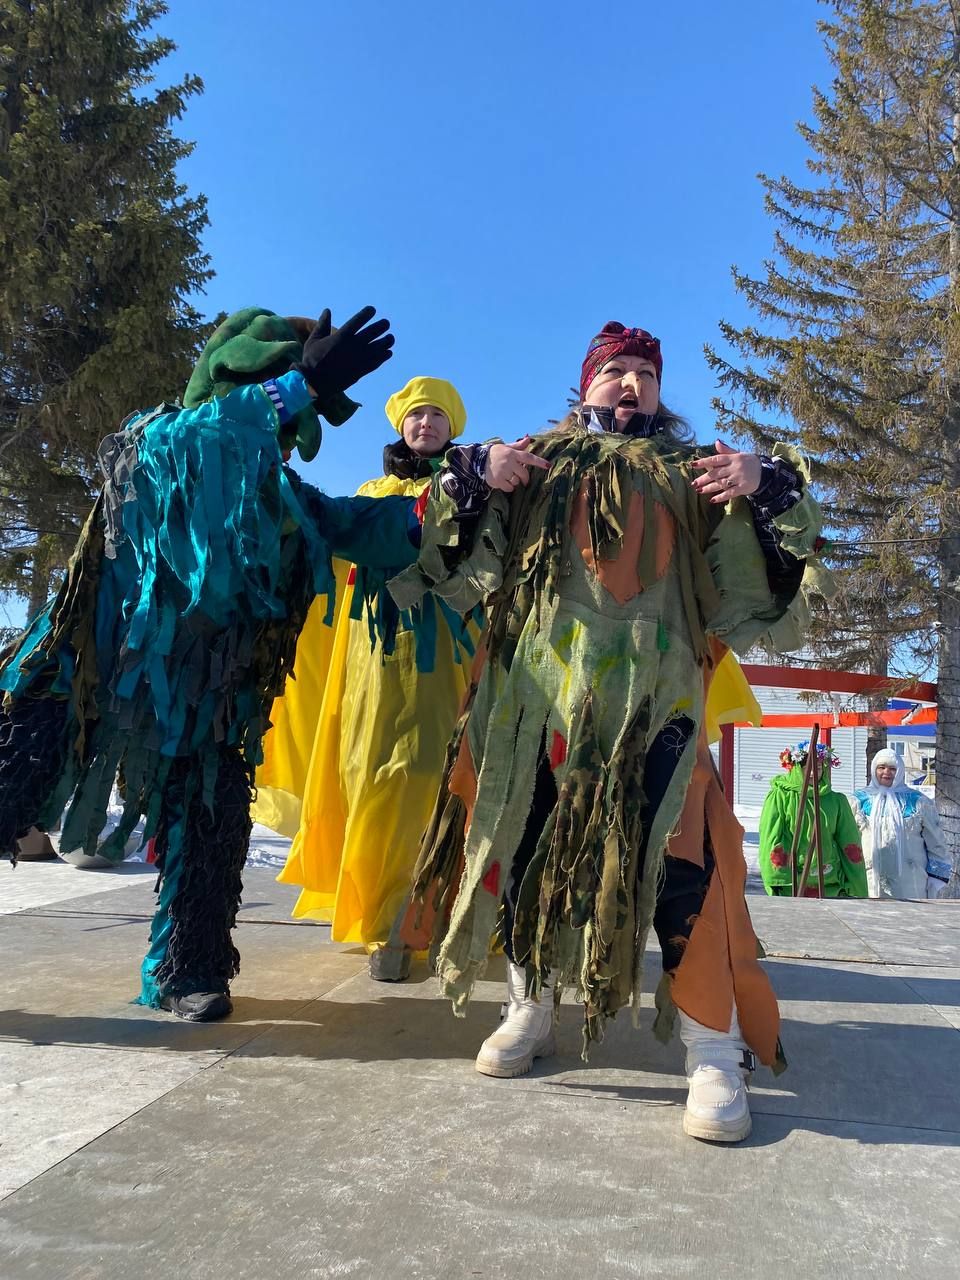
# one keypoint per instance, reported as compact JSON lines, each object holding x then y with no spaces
{"x":749,"y":818}
{"x":267,"y":848}
{"x":32,"y":885}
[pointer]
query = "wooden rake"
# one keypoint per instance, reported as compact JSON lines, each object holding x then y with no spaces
{"x":811,"y":778}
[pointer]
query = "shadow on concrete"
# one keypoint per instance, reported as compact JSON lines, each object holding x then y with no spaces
{"x":773,"y":1125}
{"x":305,"y":1028}
{"x":840,"y":984}
{"x":107,"y":919}
{"x":866,"y":1082}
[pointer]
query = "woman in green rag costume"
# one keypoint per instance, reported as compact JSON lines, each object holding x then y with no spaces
{"x":844,"y":871}
{"x":580,"y":805}
{"x":177,"y":622}
{"x":377,"y":717}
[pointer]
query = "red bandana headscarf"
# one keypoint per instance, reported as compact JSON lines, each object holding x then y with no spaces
{"x":614,"y":339}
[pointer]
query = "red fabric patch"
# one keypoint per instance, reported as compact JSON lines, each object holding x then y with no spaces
{"x":779,"y":856}
{"x":420,"y":506}
{"x":558,"y":750}
{"x":491,"y":881}
{"x":351,"y":575}
{"x":853,"y":852}
{"x":811,"y":893}
{"x":152,"y":849}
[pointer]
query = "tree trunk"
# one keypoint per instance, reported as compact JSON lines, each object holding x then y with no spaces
{"x":948,"y":673}
{"x":39,"y":589}
{"x":876,"y":734}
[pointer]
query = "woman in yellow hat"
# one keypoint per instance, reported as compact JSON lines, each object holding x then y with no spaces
{"x":352,"y":765}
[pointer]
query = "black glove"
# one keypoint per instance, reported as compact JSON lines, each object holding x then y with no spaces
{"x":331,"y":362}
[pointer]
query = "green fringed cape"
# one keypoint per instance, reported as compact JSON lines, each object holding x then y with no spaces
{"x":603,"y":585}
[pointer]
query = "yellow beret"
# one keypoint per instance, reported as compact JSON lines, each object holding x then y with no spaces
{"x":421,"y":391}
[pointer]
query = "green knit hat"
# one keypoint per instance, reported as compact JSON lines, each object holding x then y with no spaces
{"x":253,"y":345}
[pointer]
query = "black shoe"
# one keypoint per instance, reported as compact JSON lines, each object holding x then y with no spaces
{"x":199,"y":1006}
{"x":390,"y":964}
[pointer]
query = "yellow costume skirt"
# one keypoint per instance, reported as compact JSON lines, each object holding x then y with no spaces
{"x":353,"y":762}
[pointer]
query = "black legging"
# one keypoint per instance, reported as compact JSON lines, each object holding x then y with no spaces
{"x":200,"y":955}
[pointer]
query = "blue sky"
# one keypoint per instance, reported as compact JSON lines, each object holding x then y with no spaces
{"x":497,"y":178}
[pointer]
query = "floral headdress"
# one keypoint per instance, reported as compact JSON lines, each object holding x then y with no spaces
{"x":826,"y":756}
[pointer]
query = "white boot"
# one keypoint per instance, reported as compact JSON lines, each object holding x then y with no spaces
{"x":718,"y":1063}
{"x":524,"y":1034}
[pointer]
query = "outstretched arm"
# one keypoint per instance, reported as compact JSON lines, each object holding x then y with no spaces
{"x":377,"y":533}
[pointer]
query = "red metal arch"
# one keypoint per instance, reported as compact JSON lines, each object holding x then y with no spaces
{"x":828,"y":682}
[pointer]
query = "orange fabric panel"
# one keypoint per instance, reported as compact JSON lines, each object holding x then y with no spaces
{"x":720,"y":961}
{"x":463,"y":779}
{"x":620,"y":577}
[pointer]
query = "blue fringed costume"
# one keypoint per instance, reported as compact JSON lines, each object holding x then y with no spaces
{"x":173,"y":630}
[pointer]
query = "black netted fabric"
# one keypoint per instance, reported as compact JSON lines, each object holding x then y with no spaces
{"x":684,"y":884}
{"x":33,"y":749}
{"x":201,"y":955}
{"x":679,"y":904}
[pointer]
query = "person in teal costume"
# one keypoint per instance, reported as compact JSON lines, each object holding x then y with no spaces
{"x":176,"y":624}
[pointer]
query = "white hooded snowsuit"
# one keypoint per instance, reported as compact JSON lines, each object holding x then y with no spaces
{"x":902,"y":843}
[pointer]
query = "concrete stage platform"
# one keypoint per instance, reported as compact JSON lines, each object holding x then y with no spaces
{"x":334,"y":1127}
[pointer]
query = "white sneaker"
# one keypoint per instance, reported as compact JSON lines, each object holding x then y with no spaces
{"x":718,"y":1063}
{"x":524,"y":1034}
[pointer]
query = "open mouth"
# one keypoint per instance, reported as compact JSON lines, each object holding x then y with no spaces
{"x":629,"y":401}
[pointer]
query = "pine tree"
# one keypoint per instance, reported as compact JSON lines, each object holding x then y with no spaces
{"x":858,"y":351}
{"x":99,"y":255}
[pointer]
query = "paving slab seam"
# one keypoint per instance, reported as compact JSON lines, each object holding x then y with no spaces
{"x":848,"y":960}
{"x":110,"y":1129}
{"x":850,"y":929}
{"x":756,"y":1109}
{"x":217,"y":1055}
{"x":857,"y":1124}
{"x":214,"y":1054}
{"x":217,"y":1058}
{"x":933,"y":1009}
{"x":936,"y":1008}
{"x":287,"y":924}
{"x":810,"y":955}
{"x":42,"y":913}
